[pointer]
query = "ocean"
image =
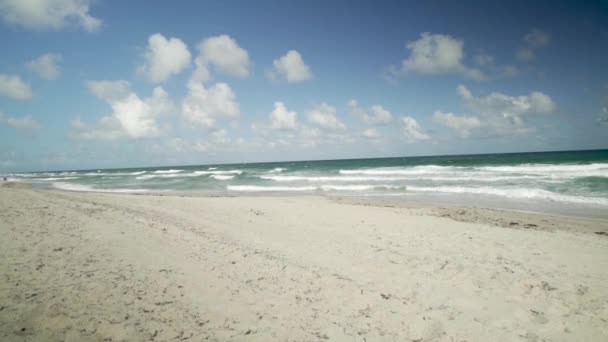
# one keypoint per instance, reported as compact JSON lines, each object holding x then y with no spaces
{"x":572,"y":183}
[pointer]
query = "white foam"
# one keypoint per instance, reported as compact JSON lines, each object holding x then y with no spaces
{"x":329,"y":178}
{"x":114,"y":174}
{"x":328,"y":187}
{"x":277,"y":170}
{"x":190,"y":174}
{"x":513,"y":193}
{"x":479,"y":178}
{"x":363,"y":187}
{"x":255,"y":188}
{"x":73,"y":187}
{"x":169,"y":175}
{"x":88,"y":188}
{"x":56,"y":178}
{"x":414,"y":170}
{"x":221,"y":172}
{"x":167,"y":171}
{"x":547,"y":168}
{"x":212,"y":168}
{"x":222,"y":177}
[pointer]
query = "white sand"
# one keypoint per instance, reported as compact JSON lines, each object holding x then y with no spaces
{"x":86,"y":266}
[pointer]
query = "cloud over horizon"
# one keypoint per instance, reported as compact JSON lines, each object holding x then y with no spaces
{"x":131,"y":116}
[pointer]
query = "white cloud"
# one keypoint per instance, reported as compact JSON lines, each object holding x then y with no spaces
{"x":131,"y":116}
{"x":510,"y":71}
{"x":391,"y":74}
{"x":602,"y":118}
{"x":501,"y":105}
{"x":164,"y":58}
{"x":290,"y":68}
{"x":324,"y":116}
{"x":375,"y":115}
{"x":537,"y":38}
{"x":483,"y":59}
{"x":464,"y":92}
{"x":224,"y":53}
{"x":217,"y":140}
{"x":202,"y":107}
{"x":110,"y":91}
{"x":525,"y":55}
{"x":201,"y":71}
{"x":281,"y":118}
{"x":462,"y":124}
{"x":496,"y":113}
{"x":412,"y":130}
{"x":48,"y":14}
{"x":24,"y":123}
{"x":46,"y":66}
{"x":434,"y":54}
{"x":371,"y":133}
{"x":13,"y":86}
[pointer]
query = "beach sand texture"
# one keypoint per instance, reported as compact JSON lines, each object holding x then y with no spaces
{"x":119,"y":267}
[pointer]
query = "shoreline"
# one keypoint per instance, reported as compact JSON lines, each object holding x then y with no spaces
{"x":378,"y":200}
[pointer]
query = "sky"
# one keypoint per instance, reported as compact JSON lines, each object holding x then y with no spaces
{"x":115,"y":84}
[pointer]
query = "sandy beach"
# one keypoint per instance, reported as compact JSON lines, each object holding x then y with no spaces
{"x":117,"y":267}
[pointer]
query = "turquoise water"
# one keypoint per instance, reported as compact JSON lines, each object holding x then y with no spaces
{"x":576,"y":179}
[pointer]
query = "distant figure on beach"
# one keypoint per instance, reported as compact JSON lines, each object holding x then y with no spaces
{"x":4,"y":179}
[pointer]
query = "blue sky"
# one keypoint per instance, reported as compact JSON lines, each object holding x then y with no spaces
{"x":94,"y":84}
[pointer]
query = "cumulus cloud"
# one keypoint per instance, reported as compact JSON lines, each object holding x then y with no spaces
{"x":496,"y":113}
{"x":48,"y":14}
{"x":324,"y":116}
{"x":203,"y":106}
{"x":484,"y":59}
{"x":537,"y":38}
{"x":290,"y":68}
{"x":464,"y":92}
{"x":164,"y":58}
{"x":371,"y":133}
{"x":434,"y":54}
{"x":412,"y":130}
{"x":510,"y":71}
{"x":131,"y":116}
{"x":46,"y":66}
{"x":281,"y":118}
{"x":24,"y":123}
{"x":13,"y":86}
{"x":525,"y":55}
{"x":375,"y":115}
{"x":503,"y":105}
{"x":462,"y":124}
{"x":111,"y":91}
{"x":225,"y":54}
{"x":534,"y":40}
{"x":216,"y":141}
{"x":602,"y":117}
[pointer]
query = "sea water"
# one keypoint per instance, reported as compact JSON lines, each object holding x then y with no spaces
{"x":569,"y":183}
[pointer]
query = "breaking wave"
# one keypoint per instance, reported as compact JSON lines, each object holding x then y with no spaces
{"x":256,"y":188}
{"x":521,"y":193}
{"x":221,"y":177}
